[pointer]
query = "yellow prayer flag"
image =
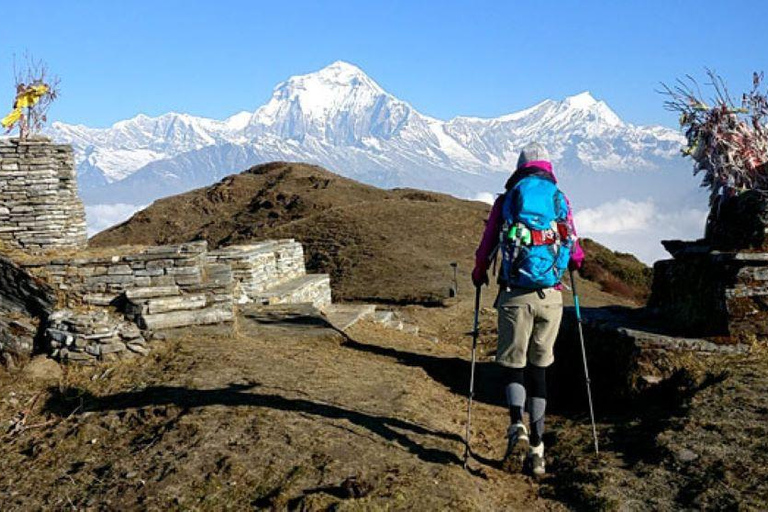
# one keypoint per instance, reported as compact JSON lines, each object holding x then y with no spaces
{"x":11,"y":118}
{"x":31,"y":95}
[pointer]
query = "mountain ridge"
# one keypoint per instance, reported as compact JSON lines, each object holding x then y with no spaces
{"x":343,"y":120}
{"x":339,"y":115}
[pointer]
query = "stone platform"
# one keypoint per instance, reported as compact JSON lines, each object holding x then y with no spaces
{"x":156,"y":288}
{"x":628,"y":350}
{"x":706,"y":292}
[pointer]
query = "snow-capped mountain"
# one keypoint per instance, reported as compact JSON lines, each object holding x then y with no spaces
{"x":340,"y":118}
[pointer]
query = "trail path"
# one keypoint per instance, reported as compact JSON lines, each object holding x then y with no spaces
{"x":282,"y":416}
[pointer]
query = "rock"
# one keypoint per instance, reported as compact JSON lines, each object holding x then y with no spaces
{"x":211,"y":315}
{"x":139,"y":349}
{"x":686,"y":455}
{"x":20,"y":291}
{"x":8,"y":361}
{"x":150,"y":292}
{"x":41,"y":368}
{"x":89,"y":335}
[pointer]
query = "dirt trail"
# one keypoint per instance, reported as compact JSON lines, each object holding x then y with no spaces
{"x":265,"y":416}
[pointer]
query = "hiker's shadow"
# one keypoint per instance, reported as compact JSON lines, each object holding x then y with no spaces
{"x":452,"y":372}
{"x":391,"y":429}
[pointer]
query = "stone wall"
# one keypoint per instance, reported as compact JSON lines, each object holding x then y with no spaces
{"x":718,"y":294}
{"x":153,"y":288}
{"x":101,"y":280}
{"x":258,"y":267}
{"x":39,"y":206}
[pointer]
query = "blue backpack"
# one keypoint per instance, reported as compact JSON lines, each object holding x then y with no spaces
{"x":536,"y":239}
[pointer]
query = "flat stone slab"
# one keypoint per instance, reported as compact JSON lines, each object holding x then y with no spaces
{"x":344,"y":316}
{"x":314,"y":288}
{"x":151,"y":292}
{"x":173,"y":319}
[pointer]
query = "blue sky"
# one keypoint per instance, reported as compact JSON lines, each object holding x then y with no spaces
{"x":447,"y":58}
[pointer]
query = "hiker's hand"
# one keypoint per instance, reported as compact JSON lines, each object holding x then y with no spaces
{"x":574,"y":265}
{"x":479,"y":277}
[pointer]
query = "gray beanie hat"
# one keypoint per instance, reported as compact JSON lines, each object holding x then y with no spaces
{"x":531,"y":153}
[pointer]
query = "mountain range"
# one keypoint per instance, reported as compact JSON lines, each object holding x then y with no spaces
{"x":340,"y":118}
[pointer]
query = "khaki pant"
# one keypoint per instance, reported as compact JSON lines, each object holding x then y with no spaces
{"x":528,"y":327}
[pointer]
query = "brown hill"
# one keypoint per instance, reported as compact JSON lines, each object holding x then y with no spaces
{"x":378,"y":245}
{"x":617,"y":273}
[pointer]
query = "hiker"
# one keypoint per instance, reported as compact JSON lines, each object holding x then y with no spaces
{"x":531,"y":224}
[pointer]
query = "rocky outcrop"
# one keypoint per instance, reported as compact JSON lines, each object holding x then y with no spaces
{"x":25,"y":301}
{"x":17,"y":338}
{"x":21,"y":292}
{"x":39,"y":206}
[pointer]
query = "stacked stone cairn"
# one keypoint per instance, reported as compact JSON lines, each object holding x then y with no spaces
{"x":39,"y":206}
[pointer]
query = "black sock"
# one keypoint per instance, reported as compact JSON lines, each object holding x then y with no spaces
{"x":537,"y":400}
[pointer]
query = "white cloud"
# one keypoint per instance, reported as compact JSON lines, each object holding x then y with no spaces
{"x":638,"y":227}
{"x":103,"y":216}
{"x":616,"y":217}
{"x":485,"y":197}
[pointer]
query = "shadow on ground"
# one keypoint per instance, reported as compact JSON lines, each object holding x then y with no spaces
{"x":238,"y":395}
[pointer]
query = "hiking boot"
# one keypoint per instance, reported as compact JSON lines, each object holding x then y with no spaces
{"x":517,"y":446}
{"x":536,"y":462}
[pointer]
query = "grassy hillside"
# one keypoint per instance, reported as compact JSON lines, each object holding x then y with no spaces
{"x":378,"y":245}
{"x":617,"y":273}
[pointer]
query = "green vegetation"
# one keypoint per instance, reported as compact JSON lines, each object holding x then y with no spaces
{"x":617,"y":273}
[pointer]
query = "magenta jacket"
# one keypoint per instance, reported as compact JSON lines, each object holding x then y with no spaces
{"x":493,"y":227}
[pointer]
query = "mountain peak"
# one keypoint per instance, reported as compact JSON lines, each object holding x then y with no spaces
{"x":325,"y":98}
{"x":339,"y":74}
{"x":341,"y":66}
{"x":581,"y":100}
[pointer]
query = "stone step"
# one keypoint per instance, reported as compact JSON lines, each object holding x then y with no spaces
{"x":166,"y":304}
{"x":150,"y":292}
{"x":344,"y":316}
{"x":309,"y":288}
{"x":383,"y":316}
{"x":172,"y":319}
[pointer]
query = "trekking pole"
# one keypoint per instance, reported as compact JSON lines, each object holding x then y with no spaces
{"x":584,"y":357}
{"x":475,"y":333}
